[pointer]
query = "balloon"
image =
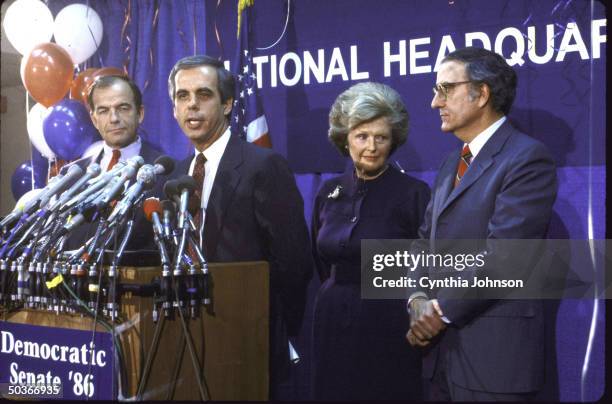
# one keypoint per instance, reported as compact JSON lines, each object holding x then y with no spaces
{"x":81,"y":83}
{"x":21,"y":181}
{"x":78,"y":29}
{"x":47,"y":73}
{"x":68,"y":129}
{"x":108,"y":71}
{"x":37,"y":115}
{"x":28,"y":23}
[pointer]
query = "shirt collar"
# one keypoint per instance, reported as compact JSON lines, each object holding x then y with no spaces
{"x":131,"y":150}
{"x":214,"y":152}
{"x":481,"y":139}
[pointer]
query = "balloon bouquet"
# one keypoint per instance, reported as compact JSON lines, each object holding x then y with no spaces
{"x":58,"y":127}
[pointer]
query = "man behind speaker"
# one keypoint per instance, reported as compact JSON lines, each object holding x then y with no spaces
{"x":116,"y":110}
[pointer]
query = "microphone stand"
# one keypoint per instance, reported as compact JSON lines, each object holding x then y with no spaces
{"x":165,"y":292}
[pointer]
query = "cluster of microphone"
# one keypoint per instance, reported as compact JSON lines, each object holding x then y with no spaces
{"x":185,"y":280}
{"x":34,"y":260}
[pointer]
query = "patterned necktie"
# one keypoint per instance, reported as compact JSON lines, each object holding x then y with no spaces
{"x":114,"y":160}
{"x":464,"y":163}
{"x":195,"y":201}
{"x":198,"y":176}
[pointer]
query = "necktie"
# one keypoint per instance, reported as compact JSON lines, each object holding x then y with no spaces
{"x":56,"y":167}
{"x":114,"y":160}
{"x":464,"y":163}
{"x":195,"y":202}
{"x":198,"y":176}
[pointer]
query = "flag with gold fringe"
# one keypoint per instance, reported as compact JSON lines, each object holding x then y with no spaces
{"x":248,"y":118}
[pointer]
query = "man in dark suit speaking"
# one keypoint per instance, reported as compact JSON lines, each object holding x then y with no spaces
{"x":116,"y":110}
{"x":501,"y":186}
{"x":249,"y":207}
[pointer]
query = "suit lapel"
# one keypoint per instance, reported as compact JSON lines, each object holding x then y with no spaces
{"x":447,"y":177}
{"x":481,"y":163}
{"x":224,"y":186}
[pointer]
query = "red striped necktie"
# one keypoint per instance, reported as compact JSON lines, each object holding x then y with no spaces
{"x":464,"y":163}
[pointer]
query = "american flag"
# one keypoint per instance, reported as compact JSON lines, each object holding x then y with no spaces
{"x":248,"y":118}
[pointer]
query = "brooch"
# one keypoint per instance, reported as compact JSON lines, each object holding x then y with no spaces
{"x":335,"y":193}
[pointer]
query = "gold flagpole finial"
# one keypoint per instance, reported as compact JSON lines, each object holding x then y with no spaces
{"x":242,"y":4}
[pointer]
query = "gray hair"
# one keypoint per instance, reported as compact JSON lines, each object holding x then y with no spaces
{"x":486,"y":67}
{"x":365,"y":102}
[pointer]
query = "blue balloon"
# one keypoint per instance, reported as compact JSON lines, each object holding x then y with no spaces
{"x":21,"y":181}
{"x":68,"y":129}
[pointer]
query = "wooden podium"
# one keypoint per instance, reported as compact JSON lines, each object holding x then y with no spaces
{"x":231,"y":340}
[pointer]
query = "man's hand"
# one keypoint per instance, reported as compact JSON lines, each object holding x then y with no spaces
{"x":425,"y":322}
{"x":414,"y":341}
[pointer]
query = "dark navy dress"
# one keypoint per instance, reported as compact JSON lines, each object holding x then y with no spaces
{"x":359,"y":346}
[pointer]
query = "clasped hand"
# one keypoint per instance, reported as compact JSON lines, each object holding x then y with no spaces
{"x":425,"y":322}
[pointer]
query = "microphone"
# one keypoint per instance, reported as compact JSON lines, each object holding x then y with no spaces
{"x":110,"y":173}
{"x":95,"y":185}
{"x":92,"y":171}
{"x":152,"y":208}
{"x":126,"y":174}
{"x":20,"y":205}
{"x":163,"y":165}
{"x":171,"y":189}
{"x":169,"y":211}
{"x":73,"y":173}
{"x":145,"y":179}
{"x":57,"y":184}
{"x":185,"y":186}
{"x":111,"y":191}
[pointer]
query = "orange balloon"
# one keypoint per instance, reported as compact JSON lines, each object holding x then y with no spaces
{"x":108,"y":71}
{"x":47,"y":73}
{"x":81,"y":83}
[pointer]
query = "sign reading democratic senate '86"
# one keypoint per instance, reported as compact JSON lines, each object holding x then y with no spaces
{"x":48,"y":362}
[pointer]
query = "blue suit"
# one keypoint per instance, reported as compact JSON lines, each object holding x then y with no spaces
{"x":507,"y":193}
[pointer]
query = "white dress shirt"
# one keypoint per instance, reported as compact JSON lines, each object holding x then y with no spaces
{"x":213,"y":155}
{"x":483,"y":137}
{"x":131,"y":150}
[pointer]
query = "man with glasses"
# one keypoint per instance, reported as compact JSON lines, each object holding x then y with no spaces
{"x":500,"y":185}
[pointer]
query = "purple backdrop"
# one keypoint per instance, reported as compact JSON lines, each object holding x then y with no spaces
{"x":557,"y":48}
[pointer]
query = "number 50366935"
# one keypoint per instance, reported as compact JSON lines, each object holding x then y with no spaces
{"x":21,"y":391}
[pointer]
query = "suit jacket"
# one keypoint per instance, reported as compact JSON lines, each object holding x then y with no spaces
{"x":507,"y":193}
{"x":142,"y":232}
{"x":255,"y":212}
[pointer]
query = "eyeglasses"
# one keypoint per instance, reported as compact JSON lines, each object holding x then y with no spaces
{"x":443,"y":89}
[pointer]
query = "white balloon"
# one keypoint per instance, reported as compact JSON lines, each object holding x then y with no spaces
{"x":93,"y":149}
{"x":28,"y":23}
{"x":37,"y":115}
{"x":78,"y":29}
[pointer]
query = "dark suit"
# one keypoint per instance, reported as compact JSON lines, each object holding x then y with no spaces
{"x":507,"y":193}
{"x":142,"y":233}
{"x":255,"y":212}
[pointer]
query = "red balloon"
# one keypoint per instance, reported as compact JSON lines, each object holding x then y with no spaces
{"x":47,"y":73}
{"x":80,"y":84}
